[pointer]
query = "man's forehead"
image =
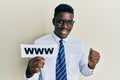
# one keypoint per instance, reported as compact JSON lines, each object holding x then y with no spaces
{"x":65,"y":15}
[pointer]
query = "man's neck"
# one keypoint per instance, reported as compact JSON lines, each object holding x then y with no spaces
{"x":58,"y":35}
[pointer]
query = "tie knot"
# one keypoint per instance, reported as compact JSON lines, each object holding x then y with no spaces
{"x":61,"y":41}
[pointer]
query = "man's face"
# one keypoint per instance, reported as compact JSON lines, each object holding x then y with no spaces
{"x":63,"y":24}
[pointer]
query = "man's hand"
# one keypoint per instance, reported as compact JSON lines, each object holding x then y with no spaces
{"x":34,"y":66}
{"x":93,"y":58}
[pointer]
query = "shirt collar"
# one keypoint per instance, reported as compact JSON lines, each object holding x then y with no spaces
{"x":57,"y":39}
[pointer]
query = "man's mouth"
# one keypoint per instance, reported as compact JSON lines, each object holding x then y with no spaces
{"x":64,"y":31}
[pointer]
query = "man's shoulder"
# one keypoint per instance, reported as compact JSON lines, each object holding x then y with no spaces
{"x":75,"y":40}
{"x":43,"y":39}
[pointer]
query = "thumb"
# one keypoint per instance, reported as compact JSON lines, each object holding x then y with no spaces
{"x":90,"y":54}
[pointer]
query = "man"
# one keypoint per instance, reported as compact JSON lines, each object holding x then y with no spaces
{"x":74,"y":57}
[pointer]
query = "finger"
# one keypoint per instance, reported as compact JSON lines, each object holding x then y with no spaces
{"x":91,"y":49}
{"x":38,"y":58}
{"x":39,"y":62}
{"x":39,"y":65}
{"x":37,"y":68}
{"x":94,"y":59}
{"x":95,"y":54}
{"x":36,"y":64}
{"x":90,"y":53}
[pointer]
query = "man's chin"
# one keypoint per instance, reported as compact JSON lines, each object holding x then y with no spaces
{"x":61,"y":35}
{"x":64,"y":36}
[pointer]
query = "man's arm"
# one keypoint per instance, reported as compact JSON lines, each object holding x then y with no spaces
{"x":88,"y":61}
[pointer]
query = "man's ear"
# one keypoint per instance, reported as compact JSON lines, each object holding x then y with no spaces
{"x":53,"y":21}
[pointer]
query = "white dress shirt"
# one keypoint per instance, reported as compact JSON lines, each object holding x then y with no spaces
{"x":76,"y":59}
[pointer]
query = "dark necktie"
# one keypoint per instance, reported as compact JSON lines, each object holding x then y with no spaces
{"x":61,"y":73}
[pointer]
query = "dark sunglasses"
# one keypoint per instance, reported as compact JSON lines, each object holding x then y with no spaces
{"x":62,"y":22}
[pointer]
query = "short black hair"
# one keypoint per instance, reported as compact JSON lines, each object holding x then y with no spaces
{"x":63,"y":8}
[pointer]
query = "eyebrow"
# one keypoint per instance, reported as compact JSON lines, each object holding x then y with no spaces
{"x":63,"y":19}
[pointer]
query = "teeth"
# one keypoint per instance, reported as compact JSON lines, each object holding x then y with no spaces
{"x":64,"y":32}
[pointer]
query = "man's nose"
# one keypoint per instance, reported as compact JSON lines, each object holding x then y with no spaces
{"x":65,"y":25}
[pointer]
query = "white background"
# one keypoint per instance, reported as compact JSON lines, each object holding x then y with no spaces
{"x":97,"y":23}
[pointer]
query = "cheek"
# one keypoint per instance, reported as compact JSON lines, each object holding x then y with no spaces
{"x":71,"y":27}
{"x":58,"y":26}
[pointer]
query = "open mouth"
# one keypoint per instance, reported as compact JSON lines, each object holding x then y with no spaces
{"x":64,"y":32}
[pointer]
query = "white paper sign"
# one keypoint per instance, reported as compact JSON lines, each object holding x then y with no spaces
{"x":38,"y":50}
